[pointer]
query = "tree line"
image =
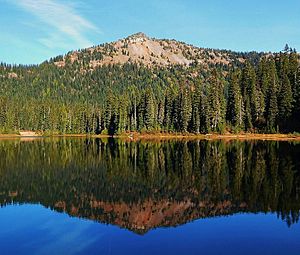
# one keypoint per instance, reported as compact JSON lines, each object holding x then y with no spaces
{"x":263,"y":97}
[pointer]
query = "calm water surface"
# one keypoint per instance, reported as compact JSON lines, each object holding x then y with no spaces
{"x":93,"y":196}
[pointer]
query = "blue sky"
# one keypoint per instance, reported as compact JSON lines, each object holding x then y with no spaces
{"x":35,"y":30}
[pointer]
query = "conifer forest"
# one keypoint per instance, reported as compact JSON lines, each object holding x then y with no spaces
{"x":259,"y":95}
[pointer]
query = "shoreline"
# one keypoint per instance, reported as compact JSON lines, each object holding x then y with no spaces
{"x":166,"y":136}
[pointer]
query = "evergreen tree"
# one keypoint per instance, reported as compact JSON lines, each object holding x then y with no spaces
{"x":285,"y":102}
{"x":149,"y":118}
{"x":216,"y":109}
{"x":296,"y":100}
{"x":272,"y":102}
{"x":184,"y":110}
{"x":250,"y":95}
{"x":196,"y":109}
{"x":235,"y":107}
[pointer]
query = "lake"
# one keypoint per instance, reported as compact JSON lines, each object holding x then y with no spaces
{"x":111,"y":196}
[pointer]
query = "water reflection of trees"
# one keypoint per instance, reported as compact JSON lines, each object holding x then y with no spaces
{"x":206,"y":178}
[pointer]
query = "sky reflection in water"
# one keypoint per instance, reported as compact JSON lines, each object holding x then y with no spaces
{"x":33,"y":229}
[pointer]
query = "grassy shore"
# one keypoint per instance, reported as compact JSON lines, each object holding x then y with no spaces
{"x":275,"y":137}
{"x":165,"y":136}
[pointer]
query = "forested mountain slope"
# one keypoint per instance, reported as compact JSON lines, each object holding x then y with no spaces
{"x":145,"y":84}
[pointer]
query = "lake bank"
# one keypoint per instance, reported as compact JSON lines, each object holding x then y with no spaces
{"x":166,"y":136}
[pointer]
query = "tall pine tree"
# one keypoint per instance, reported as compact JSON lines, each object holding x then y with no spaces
{"x":235,"y":107}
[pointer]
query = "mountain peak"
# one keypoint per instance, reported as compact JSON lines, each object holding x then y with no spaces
{"x":139,"y":35}
{"x":151,"y":52}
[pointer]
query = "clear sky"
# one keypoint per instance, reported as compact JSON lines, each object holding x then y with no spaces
{"x":35,"y":30}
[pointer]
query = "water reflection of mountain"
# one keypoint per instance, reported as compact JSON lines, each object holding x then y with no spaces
{"x":144,"y":185}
